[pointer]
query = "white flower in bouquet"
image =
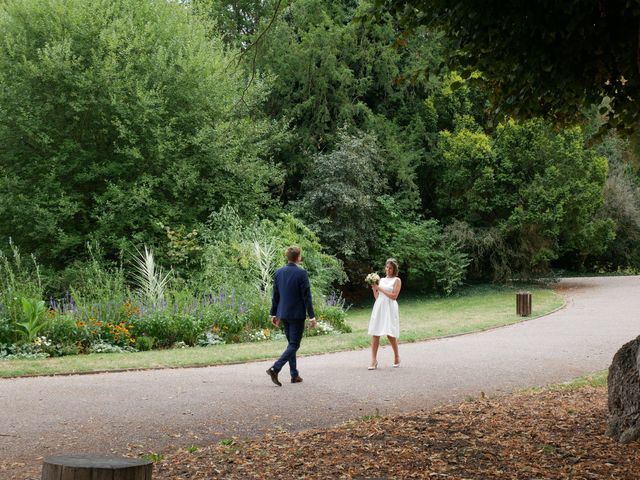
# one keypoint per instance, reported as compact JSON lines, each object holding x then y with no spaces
{"x":372,"y":278}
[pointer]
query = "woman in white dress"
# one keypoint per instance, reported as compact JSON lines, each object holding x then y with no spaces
{"x":385,"y":318}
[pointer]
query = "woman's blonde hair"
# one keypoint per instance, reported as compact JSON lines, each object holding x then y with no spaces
{"x":394,"y":262}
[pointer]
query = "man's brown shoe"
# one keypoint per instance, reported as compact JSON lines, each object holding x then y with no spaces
{"x":297,"y":379}
{"x":274,"y":376}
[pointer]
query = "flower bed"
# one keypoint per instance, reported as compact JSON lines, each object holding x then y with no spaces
{"x":70,"y":327}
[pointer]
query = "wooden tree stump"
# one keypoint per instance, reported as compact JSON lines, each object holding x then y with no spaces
{"x":93,"y":467}
{"x":523,"y":304}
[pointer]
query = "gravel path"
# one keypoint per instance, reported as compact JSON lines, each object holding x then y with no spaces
{"x":162,"y":410}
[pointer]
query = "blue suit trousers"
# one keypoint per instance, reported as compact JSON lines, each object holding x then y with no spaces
{"x":293,"y":329}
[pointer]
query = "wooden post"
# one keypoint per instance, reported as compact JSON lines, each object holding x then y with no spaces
{"x":523,"y":304}
{"x":92,"y":467}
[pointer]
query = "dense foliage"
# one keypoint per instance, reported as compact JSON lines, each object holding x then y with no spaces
{"x":538,"y":191}
{"x":103,"y":312}
{"x":216,"y":133}
{"x":117,"y":115}
{"x":539,"y":58}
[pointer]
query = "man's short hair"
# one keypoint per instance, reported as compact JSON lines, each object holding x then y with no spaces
{"x":292,"y":253}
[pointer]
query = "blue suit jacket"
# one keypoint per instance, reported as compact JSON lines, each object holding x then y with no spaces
{"x":291,"y":293}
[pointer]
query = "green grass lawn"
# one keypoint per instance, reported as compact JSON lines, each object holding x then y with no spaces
{"x":595,"y":379}
{"x":421,"y":318}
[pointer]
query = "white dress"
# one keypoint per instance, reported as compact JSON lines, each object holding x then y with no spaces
{"x":385,"y":317}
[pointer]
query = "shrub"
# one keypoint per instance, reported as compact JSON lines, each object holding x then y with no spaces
{"x":340,"y":195}
{"x":117,"y":114}
{"x":622,"y":205}
{"x":431,"y":260}
{"x":257,"y":315}
{"x":7,"y":332}
{"x":159,"y":324}
{"x":145,"y":343}
{"x":64,"y":335}
{"x":241,"y":255}
{"x":23,"y":351}
{"x":321,"y":328}
{"x":486,"y":247}
{"x":331,"y":311}
{"x":92,"y":279}
{"x":325,"y":270}
{"x":18,"y":279}
{"x":174,"y":323}
{"x":226,"y":324}
{"x":538,"y":188}
{"x":32,"y":320}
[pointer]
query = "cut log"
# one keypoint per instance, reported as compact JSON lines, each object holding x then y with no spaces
{"x":523,"y":304}
{"x":94,"y":467}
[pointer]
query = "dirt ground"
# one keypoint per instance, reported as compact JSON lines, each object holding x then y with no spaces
{"x":548,"y":435}
{"x":524,"y":436}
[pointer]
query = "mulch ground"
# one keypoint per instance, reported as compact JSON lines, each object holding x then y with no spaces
{"x":547,"y":435}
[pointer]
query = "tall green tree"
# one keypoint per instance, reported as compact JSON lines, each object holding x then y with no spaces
{"x":236,"y":21}
{"x":330,"y":72}
{"x":524,"y":198}
{"x":116,"y":115}
{"x":342,"y":198}
{"x":622,"y":205}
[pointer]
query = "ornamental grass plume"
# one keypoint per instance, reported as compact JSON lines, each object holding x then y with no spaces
{"x":149,"y":278}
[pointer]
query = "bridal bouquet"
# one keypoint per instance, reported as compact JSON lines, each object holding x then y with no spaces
{"x":372,"y":278}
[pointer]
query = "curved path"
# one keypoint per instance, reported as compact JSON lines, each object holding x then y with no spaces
{"x":162,"y":410}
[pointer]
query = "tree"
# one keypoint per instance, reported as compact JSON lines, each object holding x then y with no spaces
{"x":329,"y":72}
{"x":236,"y":20}
{"x":622,"y":205}
{"x":430,"y":259}
{"x":116,"y":116}
{"x":341,"y":201}
{"x":523,"y":198}
{"x":540,"y":58}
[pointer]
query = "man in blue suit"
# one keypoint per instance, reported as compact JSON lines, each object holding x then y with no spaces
{"x":290,"y":304}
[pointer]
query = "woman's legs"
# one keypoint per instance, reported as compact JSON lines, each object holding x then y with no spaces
{"x":394,"y":345}
{"x":375,"y":343}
